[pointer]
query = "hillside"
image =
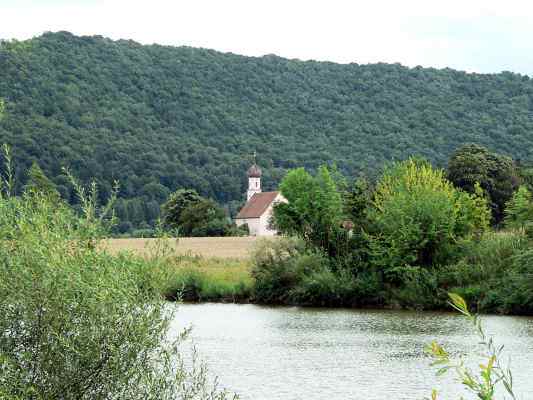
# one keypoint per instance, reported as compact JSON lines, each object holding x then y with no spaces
{"x":157,"y":118}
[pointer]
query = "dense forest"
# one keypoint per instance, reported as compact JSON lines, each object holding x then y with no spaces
{"x":158,"y":118}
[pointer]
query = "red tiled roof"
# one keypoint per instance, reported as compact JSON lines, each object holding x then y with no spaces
{"x":257,"y":205}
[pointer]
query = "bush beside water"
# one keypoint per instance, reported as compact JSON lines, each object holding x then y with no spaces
{"x":410,"y":241}
{"x":77,"y":322}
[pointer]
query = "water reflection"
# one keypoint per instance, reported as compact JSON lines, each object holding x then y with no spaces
{"x":294,"y":353}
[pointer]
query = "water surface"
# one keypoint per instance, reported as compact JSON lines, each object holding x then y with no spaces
{"x":268,"y":353}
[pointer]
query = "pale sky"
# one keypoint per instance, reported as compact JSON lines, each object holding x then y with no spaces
{"x":471,"y":35}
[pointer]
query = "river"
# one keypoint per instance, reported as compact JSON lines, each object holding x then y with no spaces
{"x":289,"y":353}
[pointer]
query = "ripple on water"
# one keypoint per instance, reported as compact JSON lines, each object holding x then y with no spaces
{"x":302,"y":353}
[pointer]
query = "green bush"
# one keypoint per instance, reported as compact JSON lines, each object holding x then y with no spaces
{"x":77,"y":322}
{"x":418,"y":217}
{"x":274,"y":269}
{"x":486,"y":269}
{"x":419,"y":290}
{"x":516,"y":289}
{"x":325,"y":287}
{"x":519,"y":210}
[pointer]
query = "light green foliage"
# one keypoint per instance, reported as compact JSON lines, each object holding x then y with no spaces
{"x":38,"y":182}
{"x":77,"y":322}
{"x":519,"y":210}
{"x":314,"y":210}
{"x":491,"y":373}
{"x":418,"y":217}
{"x":2,"y":108}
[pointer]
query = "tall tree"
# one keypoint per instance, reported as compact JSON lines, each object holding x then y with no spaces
{"x":497,"y":175}
{"x":204,"y":218}
{"x":177,"y":202}
{"x":314,"y":210}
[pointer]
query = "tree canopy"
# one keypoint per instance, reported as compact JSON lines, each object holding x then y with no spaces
{"x":495,"y":173}
{"x":159,"y":118}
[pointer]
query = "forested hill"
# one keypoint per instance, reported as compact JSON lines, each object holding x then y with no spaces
{"x":157,"y":118}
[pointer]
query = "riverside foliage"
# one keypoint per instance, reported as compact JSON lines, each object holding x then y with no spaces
{"x":405,"y":243}
{"x":77,"y":322}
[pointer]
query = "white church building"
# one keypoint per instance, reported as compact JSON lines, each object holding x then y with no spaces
{"x":257,"y":212}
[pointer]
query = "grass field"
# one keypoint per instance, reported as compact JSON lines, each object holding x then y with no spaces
{"x":201,"y":269}
{"x":207,"y":247}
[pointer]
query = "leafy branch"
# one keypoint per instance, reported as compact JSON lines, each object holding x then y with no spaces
{"x":491,"y":373}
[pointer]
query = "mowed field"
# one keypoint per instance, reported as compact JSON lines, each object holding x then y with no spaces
{"x":207,"y":247}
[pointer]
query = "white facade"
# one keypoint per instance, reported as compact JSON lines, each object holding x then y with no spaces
{"x":254,"y":186}
{"x":260,"y":226}
{"x":258,"y":210}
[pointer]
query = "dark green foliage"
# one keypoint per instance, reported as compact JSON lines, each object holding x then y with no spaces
{"x":276,"y":270}
{"x":172,"y":209}
{"x":488,"y":272}
{"x":286,"y":271}
{"x":204,"y":218}
{"x":187,"y":118}
{"x":189,"y":214}
{"x":356,"y":201}
{"x":495,"y":173}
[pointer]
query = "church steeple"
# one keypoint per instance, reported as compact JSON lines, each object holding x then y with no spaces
{"x":254,"y":179}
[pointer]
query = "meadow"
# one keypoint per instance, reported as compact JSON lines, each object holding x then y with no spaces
{"x":238,"y":248}
{"x":197,"y":269}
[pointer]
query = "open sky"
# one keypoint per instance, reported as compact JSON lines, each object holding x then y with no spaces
{"x":471,"y":35}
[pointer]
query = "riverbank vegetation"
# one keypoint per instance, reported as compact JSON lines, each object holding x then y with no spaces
{"x":77,"y":322}
{"x":404,"y":241}
{"x":190,"y":278}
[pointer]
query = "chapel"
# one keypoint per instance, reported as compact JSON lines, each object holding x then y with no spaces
{"x":257,"y":212}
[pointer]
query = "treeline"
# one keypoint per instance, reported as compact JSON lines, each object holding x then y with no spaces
{"x":407,"y":240}
{"x":159,"y":118}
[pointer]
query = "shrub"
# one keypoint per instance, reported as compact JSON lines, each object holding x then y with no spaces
{"x":516,"y":288}
{"x":324,"y":287}
{"x":278,"y":266}
{"x":418,"y":217}
{"x":485,"y":269}
{"x":519,"y":210}
{"x":77,"y":322}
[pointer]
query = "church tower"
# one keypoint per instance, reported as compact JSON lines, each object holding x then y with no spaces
{"x":254,"y":181}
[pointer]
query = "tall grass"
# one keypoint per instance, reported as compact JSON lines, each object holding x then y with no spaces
{"x":192,"y":278}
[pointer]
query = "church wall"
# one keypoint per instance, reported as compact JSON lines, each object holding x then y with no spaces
{"x":265,"y":222}
{"x":254,"y":225}
{"x":266,"y":217}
